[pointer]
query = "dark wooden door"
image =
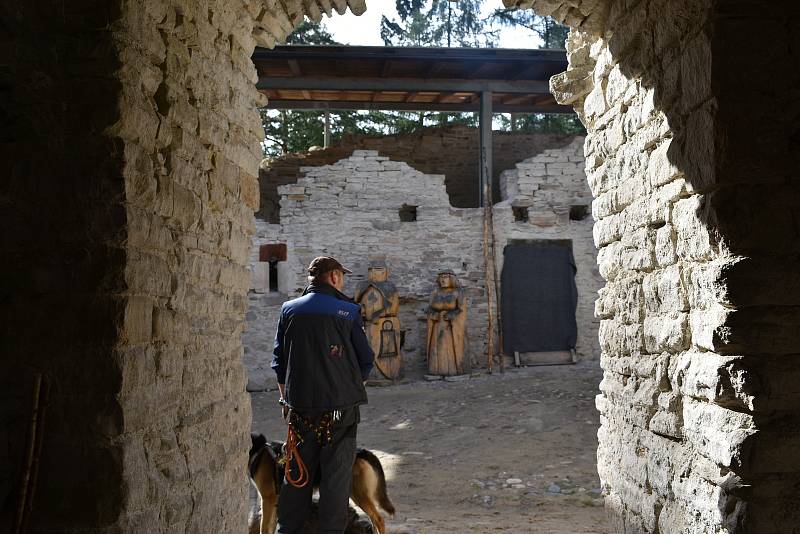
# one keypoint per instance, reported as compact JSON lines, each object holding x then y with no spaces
{"x":539,"y":298}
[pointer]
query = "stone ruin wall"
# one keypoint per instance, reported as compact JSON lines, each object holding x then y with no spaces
{"x":696,"y":425}
{"x":191,"y":147}
{"x":450,"y":150}
{"x":666,"y":444}
{"x":350,"y":209}
{"x":136,"y":142}
{"x":550,"y":184}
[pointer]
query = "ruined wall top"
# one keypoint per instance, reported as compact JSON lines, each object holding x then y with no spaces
{"x":274,"y":20}
{"x":586,"y":15}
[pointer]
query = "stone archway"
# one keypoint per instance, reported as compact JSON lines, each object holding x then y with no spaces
{"x":696,"y":340}
{"x":146,"y":116}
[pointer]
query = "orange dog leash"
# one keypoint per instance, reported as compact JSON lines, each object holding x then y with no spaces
{"x":291,"y":453}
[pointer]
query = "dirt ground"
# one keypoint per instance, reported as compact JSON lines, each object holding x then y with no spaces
{"x":512,"y":452}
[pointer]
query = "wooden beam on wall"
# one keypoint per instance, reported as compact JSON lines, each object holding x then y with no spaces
{"x":403,"y":84}
{"x":294,"y":66}
{"x":450,"y":107}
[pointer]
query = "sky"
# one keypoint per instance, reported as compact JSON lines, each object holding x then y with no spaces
{"x":365,"y":30}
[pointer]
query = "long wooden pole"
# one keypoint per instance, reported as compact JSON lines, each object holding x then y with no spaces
{"x":31,"y":469}
{"x":485,"y":122}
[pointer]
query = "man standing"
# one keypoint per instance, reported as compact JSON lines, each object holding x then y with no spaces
{"x":322,"y":359}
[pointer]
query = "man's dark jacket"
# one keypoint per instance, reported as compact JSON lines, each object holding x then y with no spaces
{"x":321,"y":351}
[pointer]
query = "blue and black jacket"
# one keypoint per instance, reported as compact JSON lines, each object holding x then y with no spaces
{"x":321,"y":351}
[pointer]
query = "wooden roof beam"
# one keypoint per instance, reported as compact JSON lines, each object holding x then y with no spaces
{"x":294,"y":67}
{"x":519,"y":99}
{"x":466,"y":107}
{"x":403,"y":84}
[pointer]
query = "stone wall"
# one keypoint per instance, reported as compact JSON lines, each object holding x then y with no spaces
{"x":191,"y":148}
{"x":131,"y":138}
{"x":692,"y":204}
{"x":449,"y":150}
{"x":552,"y":186}
{"x":350,"y":209}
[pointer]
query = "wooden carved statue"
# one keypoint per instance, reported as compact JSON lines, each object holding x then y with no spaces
{"x":380,"y":303}
{"x":447,"y":319}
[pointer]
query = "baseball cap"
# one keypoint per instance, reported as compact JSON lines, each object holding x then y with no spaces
{"x":323,"y":264}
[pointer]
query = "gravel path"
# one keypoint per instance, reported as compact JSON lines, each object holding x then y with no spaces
{"x":496,"y":453}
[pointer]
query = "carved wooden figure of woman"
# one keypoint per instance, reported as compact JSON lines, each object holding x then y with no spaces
{"x":447,"y":319}
{"x":380,"y":303}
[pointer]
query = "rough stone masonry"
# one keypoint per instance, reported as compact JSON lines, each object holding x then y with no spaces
{"x":133,"y":149}
{"x":131,"y":141}
{"x":693,"y":227}
{"x":451,"y":150}
{"x":350,"y":209}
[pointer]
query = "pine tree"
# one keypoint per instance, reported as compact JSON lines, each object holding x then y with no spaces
{"x":438,"y":23}
{"x":552,"y":34}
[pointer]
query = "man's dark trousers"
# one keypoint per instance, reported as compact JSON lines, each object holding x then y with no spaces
{"x":334,"y":462}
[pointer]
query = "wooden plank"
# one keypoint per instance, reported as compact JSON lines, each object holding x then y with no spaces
{"x":558,"y":357}
{"x":397,"y":104}
{"x":294,"y":67}
{"x":519,"y":99}
{"x":360,"y":53}
{"x":403,"y":84}
{"x":434,"y":69}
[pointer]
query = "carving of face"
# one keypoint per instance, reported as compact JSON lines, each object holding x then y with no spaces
{"x":378,"y":274}
{"x":445,"y":280}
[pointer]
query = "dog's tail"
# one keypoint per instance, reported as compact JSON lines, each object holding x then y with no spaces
{"x":383,"y":497}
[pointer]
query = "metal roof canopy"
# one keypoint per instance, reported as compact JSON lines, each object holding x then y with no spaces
{"x":409,"y":79}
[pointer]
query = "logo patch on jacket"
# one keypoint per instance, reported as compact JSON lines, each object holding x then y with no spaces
{"x":343,"y":313}
{"x":336,"y":351}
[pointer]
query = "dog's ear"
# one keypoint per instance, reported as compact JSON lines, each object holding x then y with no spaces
{"x":258,"y":440}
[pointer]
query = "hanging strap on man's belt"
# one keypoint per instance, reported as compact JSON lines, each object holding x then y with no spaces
{"x":322,"y":431}
{"x":290,"y":453}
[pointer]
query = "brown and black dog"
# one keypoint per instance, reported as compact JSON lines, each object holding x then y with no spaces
{"x":369,"y":485}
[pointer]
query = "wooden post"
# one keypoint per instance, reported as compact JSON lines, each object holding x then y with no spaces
{"x":485,"y":121}
{"x":490,"y":280}
{"x":31,"y":467}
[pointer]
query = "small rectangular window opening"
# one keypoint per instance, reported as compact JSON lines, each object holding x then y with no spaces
{"x":273,"y":276}
{"x":272,"y":254}
{"x":578,"y":212}
{"x":520,"y":213}
{"x":408,"y":213}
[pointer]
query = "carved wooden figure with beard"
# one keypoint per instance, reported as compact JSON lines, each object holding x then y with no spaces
{"x":380,"y":303}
